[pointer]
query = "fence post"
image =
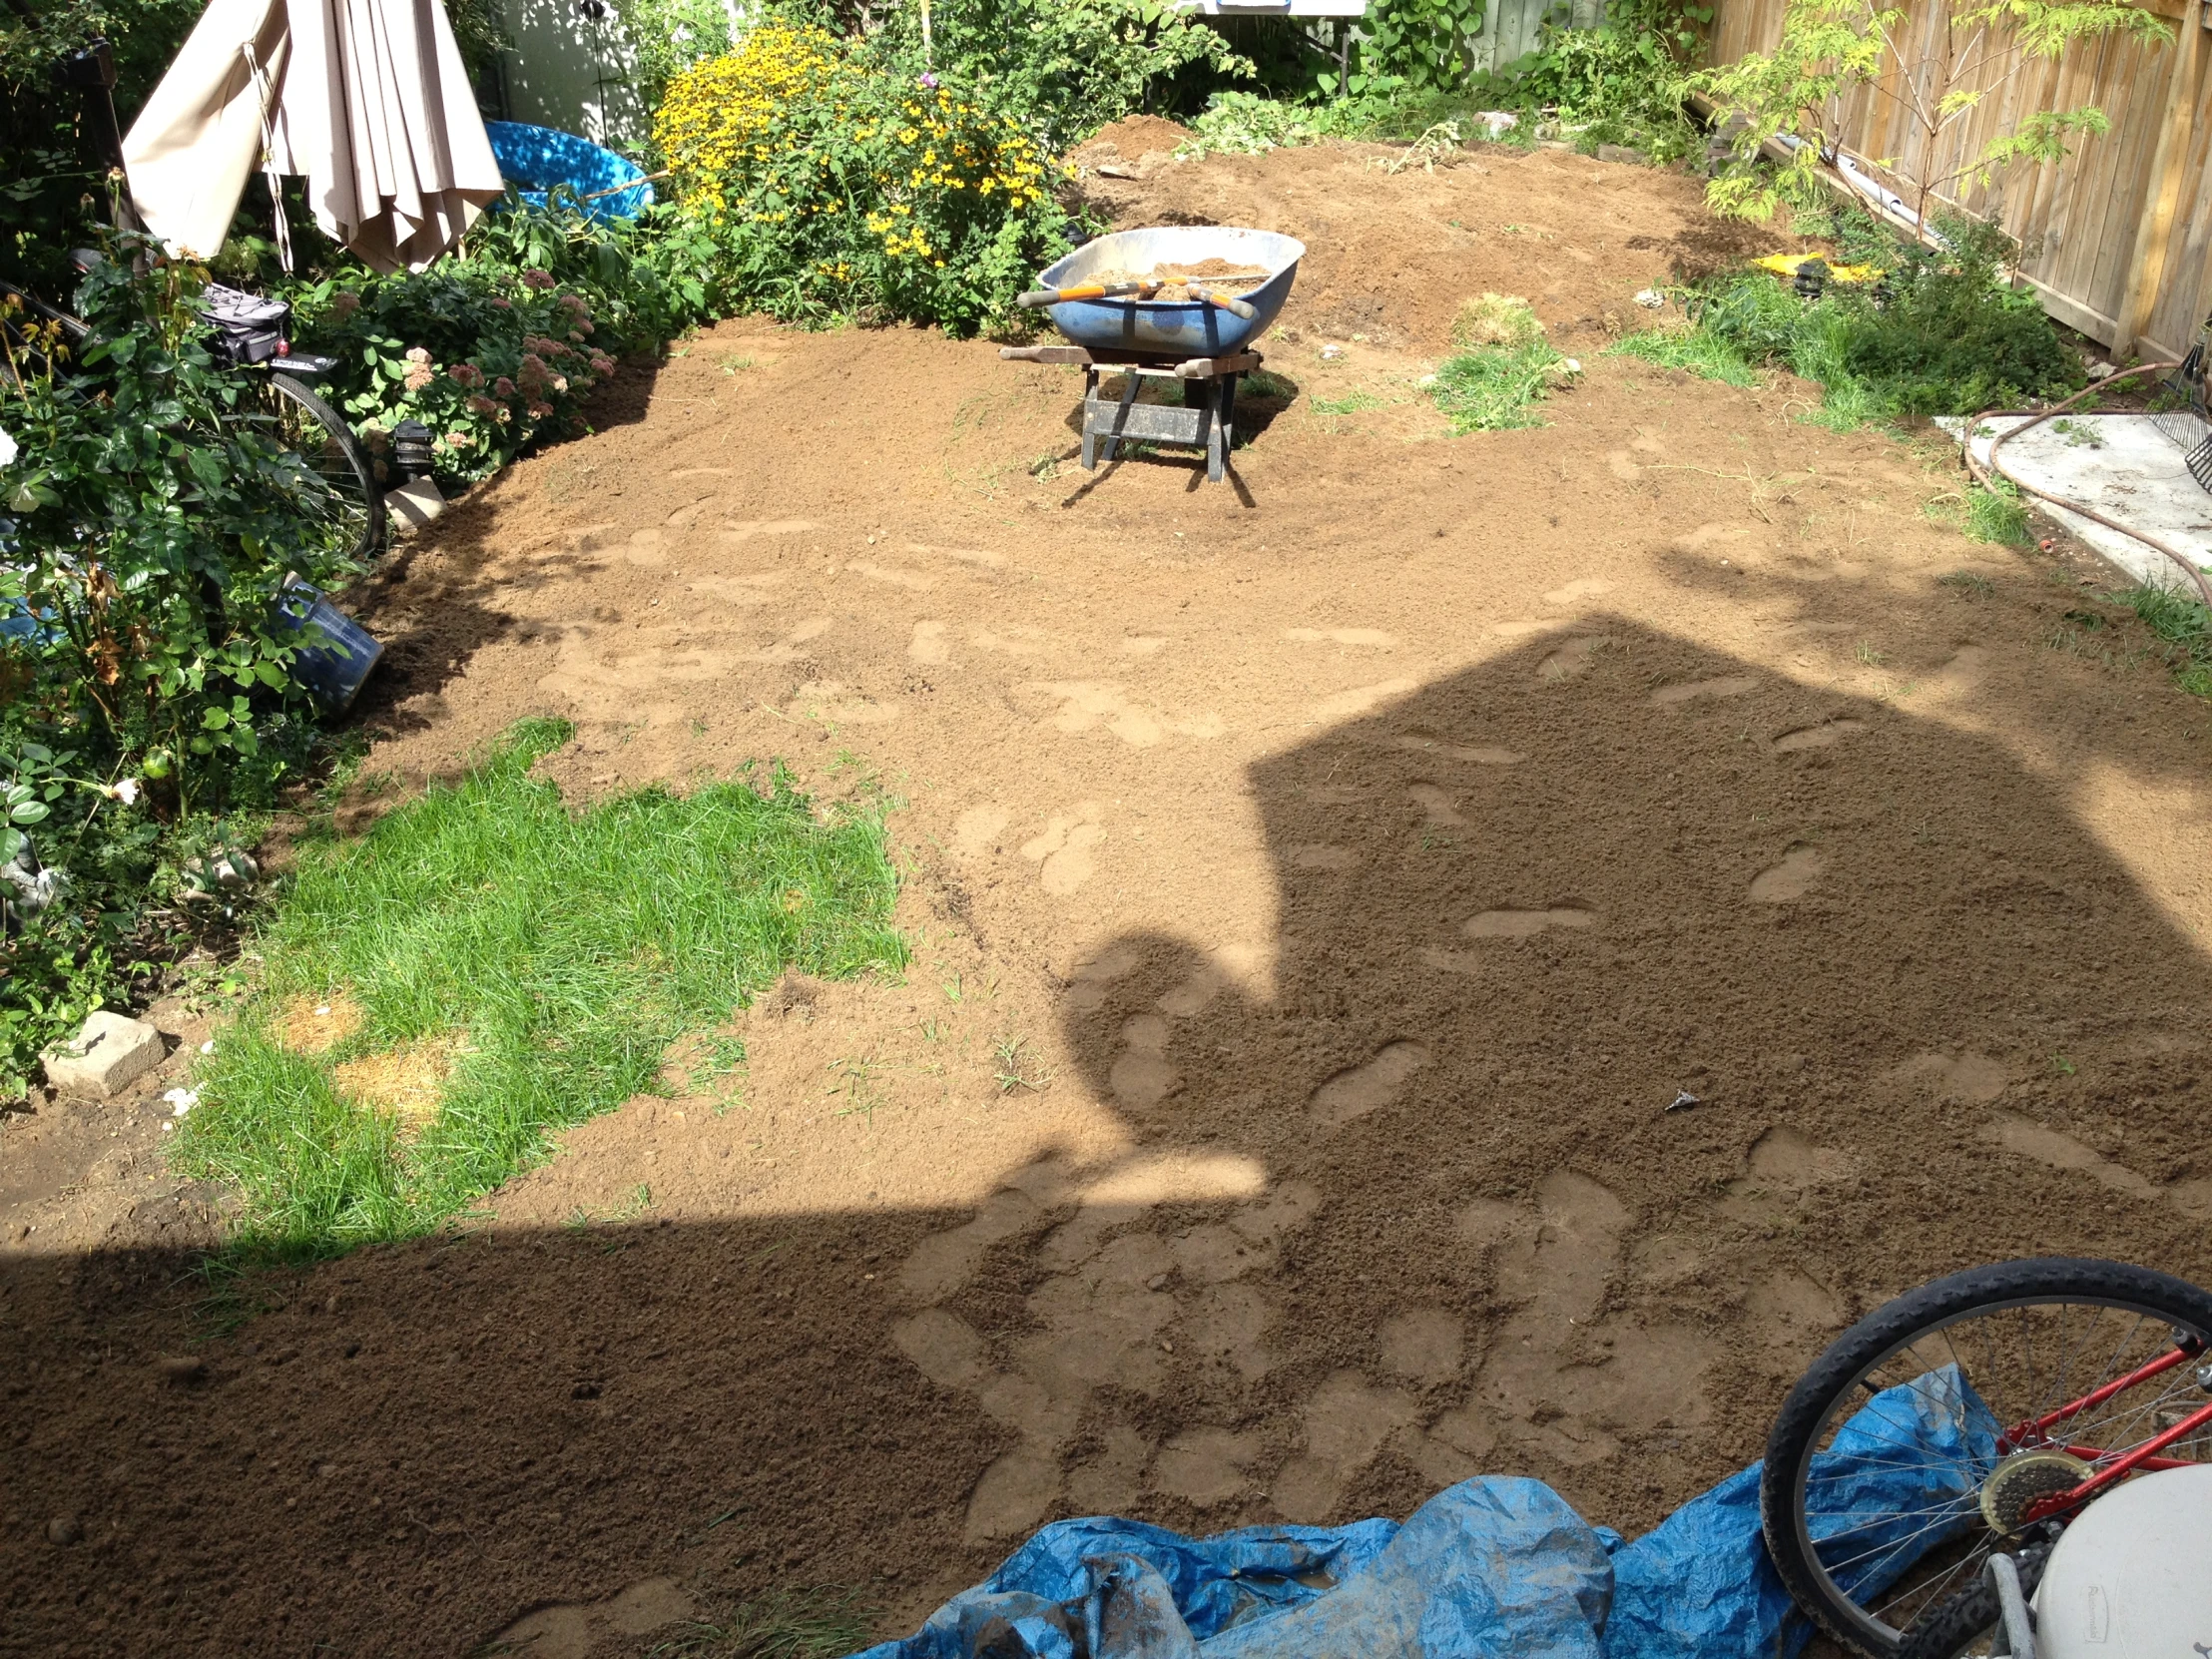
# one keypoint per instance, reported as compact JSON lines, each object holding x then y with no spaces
{"x":2146,"y":269}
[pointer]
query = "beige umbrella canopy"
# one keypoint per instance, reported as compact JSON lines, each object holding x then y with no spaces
{"x":365,"y":98}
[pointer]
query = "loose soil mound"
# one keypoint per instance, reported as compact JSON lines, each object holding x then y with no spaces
{"x":1323,"y":884}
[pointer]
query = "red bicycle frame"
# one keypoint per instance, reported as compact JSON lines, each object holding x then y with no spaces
{"x":2037,"y":1431}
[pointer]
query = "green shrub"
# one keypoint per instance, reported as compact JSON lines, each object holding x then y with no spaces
{"x":146,"y":674}
{"x":1609,"y":85}
{"x":1065,"y":67}
{"x":833,"y":184}
{"x":1943,"y":335}
{"x":1413,"y":46}
{"x":496,"y":347}
{"x":1246,"y":124}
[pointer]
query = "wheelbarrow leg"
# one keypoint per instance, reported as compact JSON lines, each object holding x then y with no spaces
{"x":1090,"y":419}
{"x":1130,"y":384}
{"x":1217,"y":426}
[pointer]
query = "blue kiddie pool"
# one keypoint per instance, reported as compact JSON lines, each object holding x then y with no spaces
{"x":537,"y":158}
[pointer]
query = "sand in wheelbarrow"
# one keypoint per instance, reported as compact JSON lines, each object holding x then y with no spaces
{"x":1174,"y":279}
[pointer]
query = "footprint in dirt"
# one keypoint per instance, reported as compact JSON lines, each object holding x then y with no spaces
{"x":1569,"y":660}
{"x":2053,"y":1148}
{"x":1561,"y":1378}
{"x":1578,"y":590}
{"x":1526,"y":924}
{"x":1368,"y":1087}
{"x":1726,"y":685}
{"x":1781,"y":1170}
{"x":1823,"y":736}
{"x":1102,"y":1317}
{"x":1358,"y":699}
{"x":1792,"y":879}
{"x":1064,"y":849}
{"x":1374,"y":637}
{"x":1087,"y":705}
{"x":1442,"y":811}
{"x":929,"y":644}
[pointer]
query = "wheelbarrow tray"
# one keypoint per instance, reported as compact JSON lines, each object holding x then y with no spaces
{"x":1185,"y":329}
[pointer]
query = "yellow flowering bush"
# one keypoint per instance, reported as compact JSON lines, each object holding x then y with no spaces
{"x":832,"y":184}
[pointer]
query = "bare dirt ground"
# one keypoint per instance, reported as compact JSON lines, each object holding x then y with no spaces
{"x":1322,"y":883}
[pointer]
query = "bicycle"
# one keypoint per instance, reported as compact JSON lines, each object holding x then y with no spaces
{"x":247,"y":333}
{"x":1976,"y":1417}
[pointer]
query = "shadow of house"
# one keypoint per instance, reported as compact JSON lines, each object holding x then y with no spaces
{"x":1407,"y":1204}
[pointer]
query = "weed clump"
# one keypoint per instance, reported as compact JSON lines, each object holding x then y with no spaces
{"x":1943,"y":333}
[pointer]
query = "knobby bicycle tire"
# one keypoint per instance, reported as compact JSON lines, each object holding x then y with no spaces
{"x":1814,"y":1405}
{"x":1943,"y":1631}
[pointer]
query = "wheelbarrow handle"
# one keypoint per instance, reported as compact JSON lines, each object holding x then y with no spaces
{"x":1234,"y":307}
{"x":1036,"y":297}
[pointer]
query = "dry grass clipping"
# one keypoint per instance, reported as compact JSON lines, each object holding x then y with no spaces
{"x":407,"y":1082}
{"x":306,"y":1026}
{"x":1496,"y":320}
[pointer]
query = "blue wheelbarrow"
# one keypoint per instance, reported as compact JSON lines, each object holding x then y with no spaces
{"x":1204,"y":341}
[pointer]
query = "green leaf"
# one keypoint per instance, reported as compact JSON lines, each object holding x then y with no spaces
{"x":28,"y":811}
{"x":214,"y":719}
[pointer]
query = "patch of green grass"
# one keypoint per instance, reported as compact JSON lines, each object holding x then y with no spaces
{"x":2184,"y":626}
{"x":555,"y":955}
{"x":1699,"y":350}
{"x":1490,"y":388}
{"x":1262,"y":382}
{"x":1972,"y":583}
{"x":786,"y":1624}
{"x":1351,"y":403}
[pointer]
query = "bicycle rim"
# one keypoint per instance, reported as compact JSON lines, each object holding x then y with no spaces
{"x":1960,"y":1406}
{"x":351,"y":501}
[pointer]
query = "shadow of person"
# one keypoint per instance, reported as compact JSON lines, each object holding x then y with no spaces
{"x":1635,"y":1018}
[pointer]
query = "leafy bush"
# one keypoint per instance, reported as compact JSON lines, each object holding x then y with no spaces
{"x":145,"y":667}
{"x":496,"y":348}
{"x":1067,"y":66}
{"x":1246,"y":124}
{"x":1609,"y":85}
{"x":1417,"y":46}
{"x":1943,"y":335}
{"x":831,"y":186}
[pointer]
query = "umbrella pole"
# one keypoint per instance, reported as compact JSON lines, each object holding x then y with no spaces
{"x":91,"y":70}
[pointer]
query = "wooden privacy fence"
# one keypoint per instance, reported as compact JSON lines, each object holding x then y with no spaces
{"x":2117,"y":234}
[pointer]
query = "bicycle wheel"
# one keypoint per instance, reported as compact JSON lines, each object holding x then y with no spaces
{"x":1965,"y":1625}
{"x":1971,"y":1414}
{"x":300,"y":421}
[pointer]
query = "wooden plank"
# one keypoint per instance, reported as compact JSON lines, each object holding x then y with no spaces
{"x":2147,"y":260}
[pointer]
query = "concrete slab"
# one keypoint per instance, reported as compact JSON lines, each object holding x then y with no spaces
{"x":108,"y":1055}
{"x":2120,"y":465}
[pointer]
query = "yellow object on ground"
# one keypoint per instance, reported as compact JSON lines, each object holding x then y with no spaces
{"x":1786,"y":264}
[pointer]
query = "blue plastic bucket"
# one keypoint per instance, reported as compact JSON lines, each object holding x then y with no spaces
{"x":539,"y":158}
{"x":339,"y":652}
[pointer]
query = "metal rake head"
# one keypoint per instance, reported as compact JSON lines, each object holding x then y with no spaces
{"x":2199,"y":462}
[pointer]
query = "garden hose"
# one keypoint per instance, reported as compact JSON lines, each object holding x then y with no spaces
{"x":2037,"y":418}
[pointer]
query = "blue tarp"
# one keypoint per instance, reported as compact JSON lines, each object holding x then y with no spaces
{"x":1493,"y":1566}
{"x":539,"y":158}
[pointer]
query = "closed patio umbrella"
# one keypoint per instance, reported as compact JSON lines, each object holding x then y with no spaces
{"x":367,"y":98}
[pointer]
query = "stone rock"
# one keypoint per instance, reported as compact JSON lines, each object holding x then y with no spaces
{"x":181,"y":1368}
{"x":105,"y":1056}
{"x":414,"y":504}
{"x":64,"y":1530}
{"x":1622,"y":152}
